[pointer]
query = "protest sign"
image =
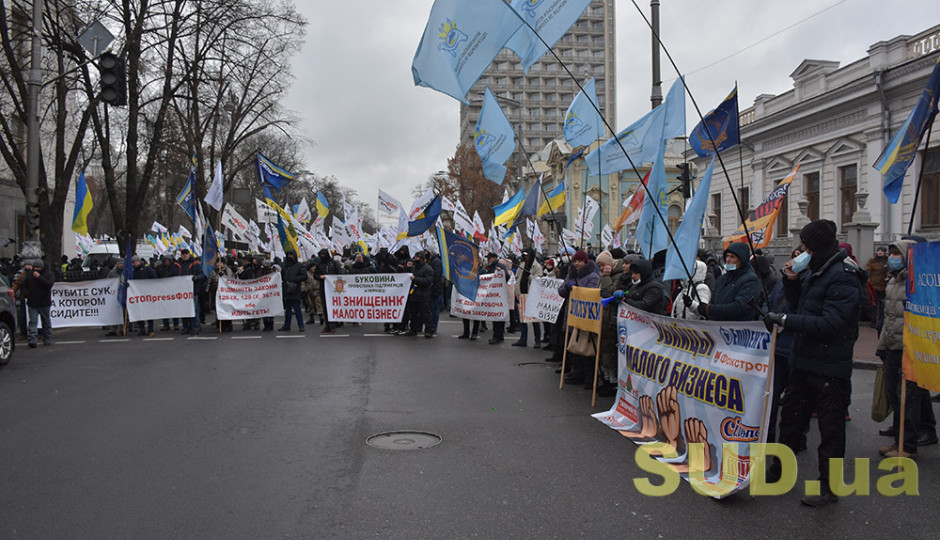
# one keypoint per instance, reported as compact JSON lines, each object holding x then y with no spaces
{"x":921,"y":316}
{"x":585,"y":313}
{"x":492,"y":303}
{"x":165,"y":298}
{"x":240,"y":299}
{"x":698,"y":383}
{"x":543,"y":302}
{"x":86,"y":303}
{"x":366,"y":297}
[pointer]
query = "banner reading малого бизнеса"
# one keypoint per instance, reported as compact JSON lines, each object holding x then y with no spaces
{"x":240,"y":299}
{"x":694,"y":382}
{"x":86,"y":303}
{"x":366,"y":297}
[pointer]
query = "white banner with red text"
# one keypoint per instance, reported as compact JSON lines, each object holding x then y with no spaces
{"x":166,"y":298}
{"x":493,"y":301}
{"x":698,"y":386}
{"x":377,"y":298}
{"x":241,"y":299}
{"x":86,"y":303}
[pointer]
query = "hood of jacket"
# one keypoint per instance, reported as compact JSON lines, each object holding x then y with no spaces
{"x":742,"y":251}
{"x":901,"y":245}
{"x":642,"y":267}
{"x":700,"y":270}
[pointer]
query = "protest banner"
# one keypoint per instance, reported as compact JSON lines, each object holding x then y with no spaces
{"x":166,"y":298}
{"x":240,"y":299}
{"x":492,"y":303}
{"x":86,"y":303}
{"x":921,"y":316}
{"x":585,"y":313}
{"x":367,"y":297}
{"x":543,"y":302}
{"x":697,"y":383}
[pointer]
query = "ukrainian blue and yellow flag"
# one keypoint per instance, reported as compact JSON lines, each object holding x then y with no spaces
{"x":460,"y":260}
{"x":507,"y":212}
{"x":323,"y":208}
{"x":271,"y":174}
{"x":426,"y":218}
{"x":900,"y":152}
{"x":83,"y":206}
{"x":722,"y":124}
{"x":554,"y":201}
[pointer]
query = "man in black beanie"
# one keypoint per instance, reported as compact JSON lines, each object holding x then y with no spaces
{"x":823,"y":289}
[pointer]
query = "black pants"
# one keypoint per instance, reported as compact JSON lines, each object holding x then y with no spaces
{"x":326,"y":308}
{"x":781,"y":378}
{"x":919,"y":418}
{"x":420,"y":312}
{"x":808,"y":392}
{"x":466,"y":327}
{"x":499,"y":329}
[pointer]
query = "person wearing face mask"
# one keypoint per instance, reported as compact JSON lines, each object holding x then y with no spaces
{"x":734,"y":290}
{"x":920,"y":425}
{"x":823,"y":288}
{"x":292,"y":276}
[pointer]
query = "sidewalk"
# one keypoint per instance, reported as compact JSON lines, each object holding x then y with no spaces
{"x":865,"y":347}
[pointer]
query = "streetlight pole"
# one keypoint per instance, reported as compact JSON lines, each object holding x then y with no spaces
{"x":32,"y":127}
{"x":656,"y":97}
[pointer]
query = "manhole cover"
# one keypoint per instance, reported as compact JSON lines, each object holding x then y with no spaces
{"x":404,"y":440}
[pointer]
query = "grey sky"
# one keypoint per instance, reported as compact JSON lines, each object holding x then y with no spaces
{"x":374,"y":129}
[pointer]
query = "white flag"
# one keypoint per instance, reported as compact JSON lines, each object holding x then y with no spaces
{"x":303,"y":211}
{"x":446,"y":204}
{"x":214,"y":195}
{"x":462,"y":220}
{"x":266,"y":214}
{"x":184,"y":232}
{"x":156,"y":227}
{"x":234,"y":222}
{"x":388,"y":205}
{"x":607,"y":236}
{"x":420,"y":203}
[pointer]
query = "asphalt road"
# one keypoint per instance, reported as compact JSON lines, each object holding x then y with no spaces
{"x":254,"y":435}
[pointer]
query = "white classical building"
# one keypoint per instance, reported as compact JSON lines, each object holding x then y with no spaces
{"x":834,"y":124}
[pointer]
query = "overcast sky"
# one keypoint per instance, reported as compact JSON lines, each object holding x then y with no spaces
{"x":372,"y":128}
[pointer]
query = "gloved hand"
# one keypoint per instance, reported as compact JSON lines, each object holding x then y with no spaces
{"x":687,"y":300}
{"x":771,"y":319}
{"x":703,"y":310}
{"x":618,"y":294}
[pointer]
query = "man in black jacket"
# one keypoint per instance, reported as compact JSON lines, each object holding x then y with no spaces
{"x":325,"y":265}
{"x":735,"y":289}
{"x":437,"y":293}
{"x":191,"y":267}
{"x":143,"y":271}
{"x":292,"y":277}
{"x":37,"y":289}
{"x":824,"y":297}
{"x":421,"y":280}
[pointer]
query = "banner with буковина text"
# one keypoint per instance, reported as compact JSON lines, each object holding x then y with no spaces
{"x":704,"y":382}
{"x":377,"y":298}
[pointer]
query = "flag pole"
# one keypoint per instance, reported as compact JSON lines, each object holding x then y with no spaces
{"x":920,"y":177}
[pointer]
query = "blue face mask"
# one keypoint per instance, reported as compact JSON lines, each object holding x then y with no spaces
{"x":730,"y":267}
{"x":800,"y":262}
{"x":895,"y":263}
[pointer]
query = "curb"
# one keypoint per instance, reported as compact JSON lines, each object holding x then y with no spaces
{"x":865,"y":364}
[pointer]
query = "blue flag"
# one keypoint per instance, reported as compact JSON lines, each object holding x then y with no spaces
{"x":127,"y":274}
{"x":493,"y":139}
{"x":722,"y":123}
{"x":642,"y":139}
{"x":690,"y":232}
{"x":187,"y":198}
{"x":210,"y":251}
{"x":459,"y":42}
{"x":272,"y":175}
{"x":425,"y":219}
{"x":550,"y":20}
{"x":650,"y":230}
{"x":899,"y":154}
{"x":460,"y":260}
{"x":583,"y":125}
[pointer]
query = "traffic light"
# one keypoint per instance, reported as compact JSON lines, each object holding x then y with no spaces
{"x":32,"y":219}
{"x":113,"y":79}
{"x":686,"y":179}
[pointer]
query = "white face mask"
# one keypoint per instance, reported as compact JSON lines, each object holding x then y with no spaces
{"x":636,"y":281}
{"x":730,"y":267}
{"x":800,"y":262}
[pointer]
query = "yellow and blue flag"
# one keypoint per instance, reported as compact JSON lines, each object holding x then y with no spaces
{"x":272,"y":175}
{"x":531,"y":204}
{"x":460,"y":259}
{"x":459,"y":42}
{"x":583,"y":124}
{"x":426,"y":218}
{"x":899,"y":154}
{"x":83,"y":205}
{"x":507,"y":212}
{"x":551,"y":19}
{"x":186,"y":199}
{"x":722,"y":124}
{"x":493,"y":138}
{"x":323,"y":208}
{"x":554,"y":201}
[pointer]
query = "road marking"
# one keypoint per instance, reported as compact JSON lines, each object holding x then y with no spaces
{"x":70,"y":342}
{"x":377,"y":335}
{"x":246,"y":337}
{"x":290,"y":337}
{"x":113,"y":340}
{"x":159,"y":339}
{"x":449,"y":322}
{"x":334,"y":335}
{"x":202,"y":338}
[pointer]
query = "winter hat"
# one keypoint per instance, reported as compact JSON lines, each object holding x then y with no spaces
{"x":580,"y":256}
{"x":605,"y":258}
{"x":491,"y":255}
{"x":38,"y":263}
{"x":819,"y":235}
{"x":135,"y":258}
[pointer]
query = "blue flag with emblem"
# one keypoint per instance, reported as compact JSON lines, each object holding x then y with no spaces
{"x":127,"y":274}
{"x":583,"y":125}
{"x":460,"y":259}
{"x":459,"y":42}
{"x":187,"y":198}
{"x":550,"y":20}
{"x":689,"y":232}
{"x":426,"y":218}
{"x":210,"y":250}
{"x":651,"y":232}
{"x":641,"y":140}
{"x":493,"y":139}
{"x":272,"y":175}
{"x":899,"y":154}
{"x":722,"y":123}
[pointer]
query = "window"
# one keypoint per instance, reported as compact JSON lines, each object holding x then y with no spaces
{"x":744,"y":199}
{"x":848,"y":185}
{"x":811,"y":192}
{"x":930,"y":190}
{"x":716,"y":209}
{"x":675,"y":217}
{"x":783,"y":219}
